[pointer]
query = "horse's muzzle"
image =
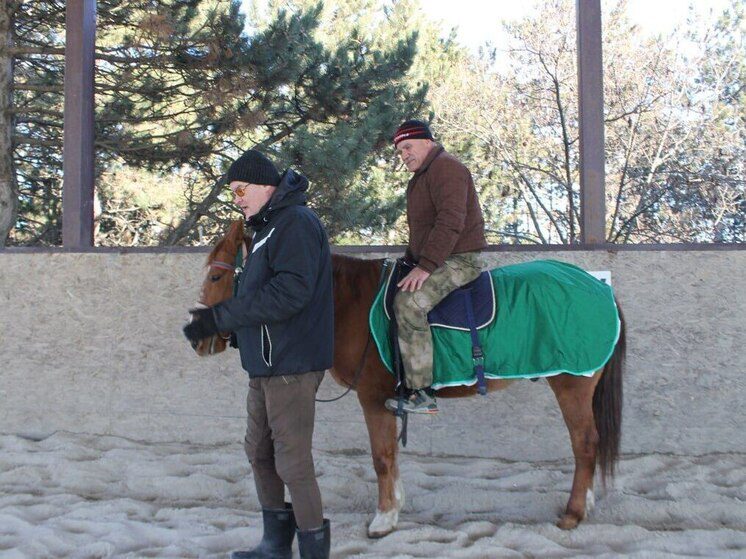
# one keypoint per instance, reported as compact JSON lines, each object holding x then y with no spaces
{"x":209,"y":346}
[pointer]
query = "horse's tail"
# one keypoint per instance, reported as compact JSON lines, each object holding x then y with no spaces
{"x":607,"y":406}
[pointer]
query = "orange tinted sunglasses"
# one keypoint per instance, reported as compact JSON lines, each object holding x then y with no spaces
{"x":239,"y":190}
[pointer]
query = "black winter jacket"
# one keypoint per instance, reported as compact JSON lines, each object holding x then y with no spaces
{"x":283,"y":311}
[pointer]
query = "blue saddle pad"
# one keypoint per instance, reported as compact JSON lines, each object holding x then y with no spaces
{"x":451,"y":311}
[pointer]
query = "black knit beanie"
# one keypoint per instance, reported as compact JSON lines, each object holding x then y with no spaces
{"x":253,"y":167}
{"x":412,"y":130}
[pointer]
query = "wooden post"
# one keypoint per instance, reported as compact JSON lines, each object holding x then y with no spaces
{"x":591,"y":101}
{"x":78,"y":156}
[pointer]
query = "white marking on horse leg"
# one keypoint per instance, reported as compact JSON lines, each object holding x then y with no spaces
{"x":590,"y":502}
{"x":399,"y":494}
{"x":383,"y":523}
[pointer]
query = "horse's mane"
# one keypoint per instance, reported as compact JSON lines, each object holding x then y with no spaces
{"x":351,"y":275}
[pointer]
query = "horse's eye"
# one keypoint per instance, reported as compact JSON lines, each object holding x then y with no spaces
{"x":215,"y":278}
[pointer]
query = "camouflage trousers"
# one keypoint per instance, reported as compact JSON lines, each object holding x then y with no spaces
{"x":411,"y":308}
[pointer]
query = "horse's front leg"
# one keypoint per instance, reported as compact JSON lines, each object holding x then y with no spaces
{"x":382,"y":432}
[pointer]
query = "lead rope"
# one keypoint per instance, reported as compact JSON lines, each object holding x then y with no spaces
{"x":357,"y":374}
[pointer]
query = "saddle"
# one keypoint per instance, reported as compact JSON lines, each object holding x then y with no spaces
{"x":470,"y":308}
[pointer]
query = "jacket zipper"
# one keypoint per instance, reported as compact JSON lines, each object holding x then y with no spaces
{"x":268,"y":359}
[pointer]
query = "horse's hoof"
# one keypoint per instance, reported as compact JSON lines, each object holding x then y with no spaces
{"x":568,"y":522}
{"x":383,"y":524}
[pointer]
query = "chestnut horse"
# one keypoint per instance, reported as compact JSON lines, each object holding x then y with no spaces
{"x":591,"y":406}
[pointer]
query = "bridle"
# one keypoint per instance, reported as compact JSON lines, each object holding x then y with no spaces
{"x":236,"y":269}
{"x":230,"y":267}
{"x":223,"y":265}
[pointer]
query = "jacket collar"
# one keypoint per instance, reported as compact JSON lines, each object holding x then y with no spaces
{"x":290,"y":192}
{"x":435,"y":151}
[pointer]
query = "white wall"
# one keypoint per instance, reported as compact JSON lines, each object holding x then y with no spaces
{"x":92,"y":343}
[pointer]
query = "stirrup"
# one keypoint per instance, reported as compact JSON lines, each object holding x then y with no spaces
{"x":418,"y":401}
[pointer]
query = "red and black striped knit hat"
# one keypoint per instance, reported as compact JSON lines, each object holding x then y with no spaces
{"x":412,"y":130}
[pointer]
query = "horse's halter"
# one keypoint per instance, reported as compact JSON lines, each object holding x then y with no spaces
{"x":222,"y":265}
{"x":236,"y":268}
{"x":201,"y":305}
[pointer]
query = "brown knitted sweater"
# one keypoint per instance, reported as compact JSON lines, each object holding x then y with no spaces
{"x":443,"y":211}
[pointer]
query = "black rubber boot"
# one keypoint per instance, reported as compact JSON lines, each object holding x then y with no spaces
{"x":315,"y":544}
{"x":277,"y":541}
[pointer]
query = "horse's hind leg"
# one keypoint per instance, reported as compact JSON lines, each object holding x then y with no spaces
{"x":382,"y":432}
{"x":575,"y":397}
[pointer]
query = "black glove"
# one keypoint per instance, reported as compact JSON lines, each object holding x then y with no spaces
{"x":203,"y":325}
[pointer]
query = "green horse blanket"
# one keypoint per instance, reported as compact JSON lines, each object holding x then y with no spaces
{"x":552,"y":318}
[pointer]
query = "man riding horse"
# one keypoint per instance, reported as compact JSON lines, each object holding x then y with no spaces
{"x":446,"y":236}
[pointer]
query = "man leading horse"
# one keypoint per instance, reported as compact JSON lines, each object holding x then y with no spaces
{"x":446,"y":237}
{"x":282,"y":315}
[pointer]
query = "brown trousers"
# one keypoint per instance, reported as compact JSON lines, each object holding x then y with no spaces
{"x":278,"y":443}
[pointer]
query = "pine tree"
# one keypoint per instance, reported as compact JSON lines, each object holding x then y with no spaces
{"x":365,"y":203}
{"x":155,"y":64}
{"x":180,"y":85}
